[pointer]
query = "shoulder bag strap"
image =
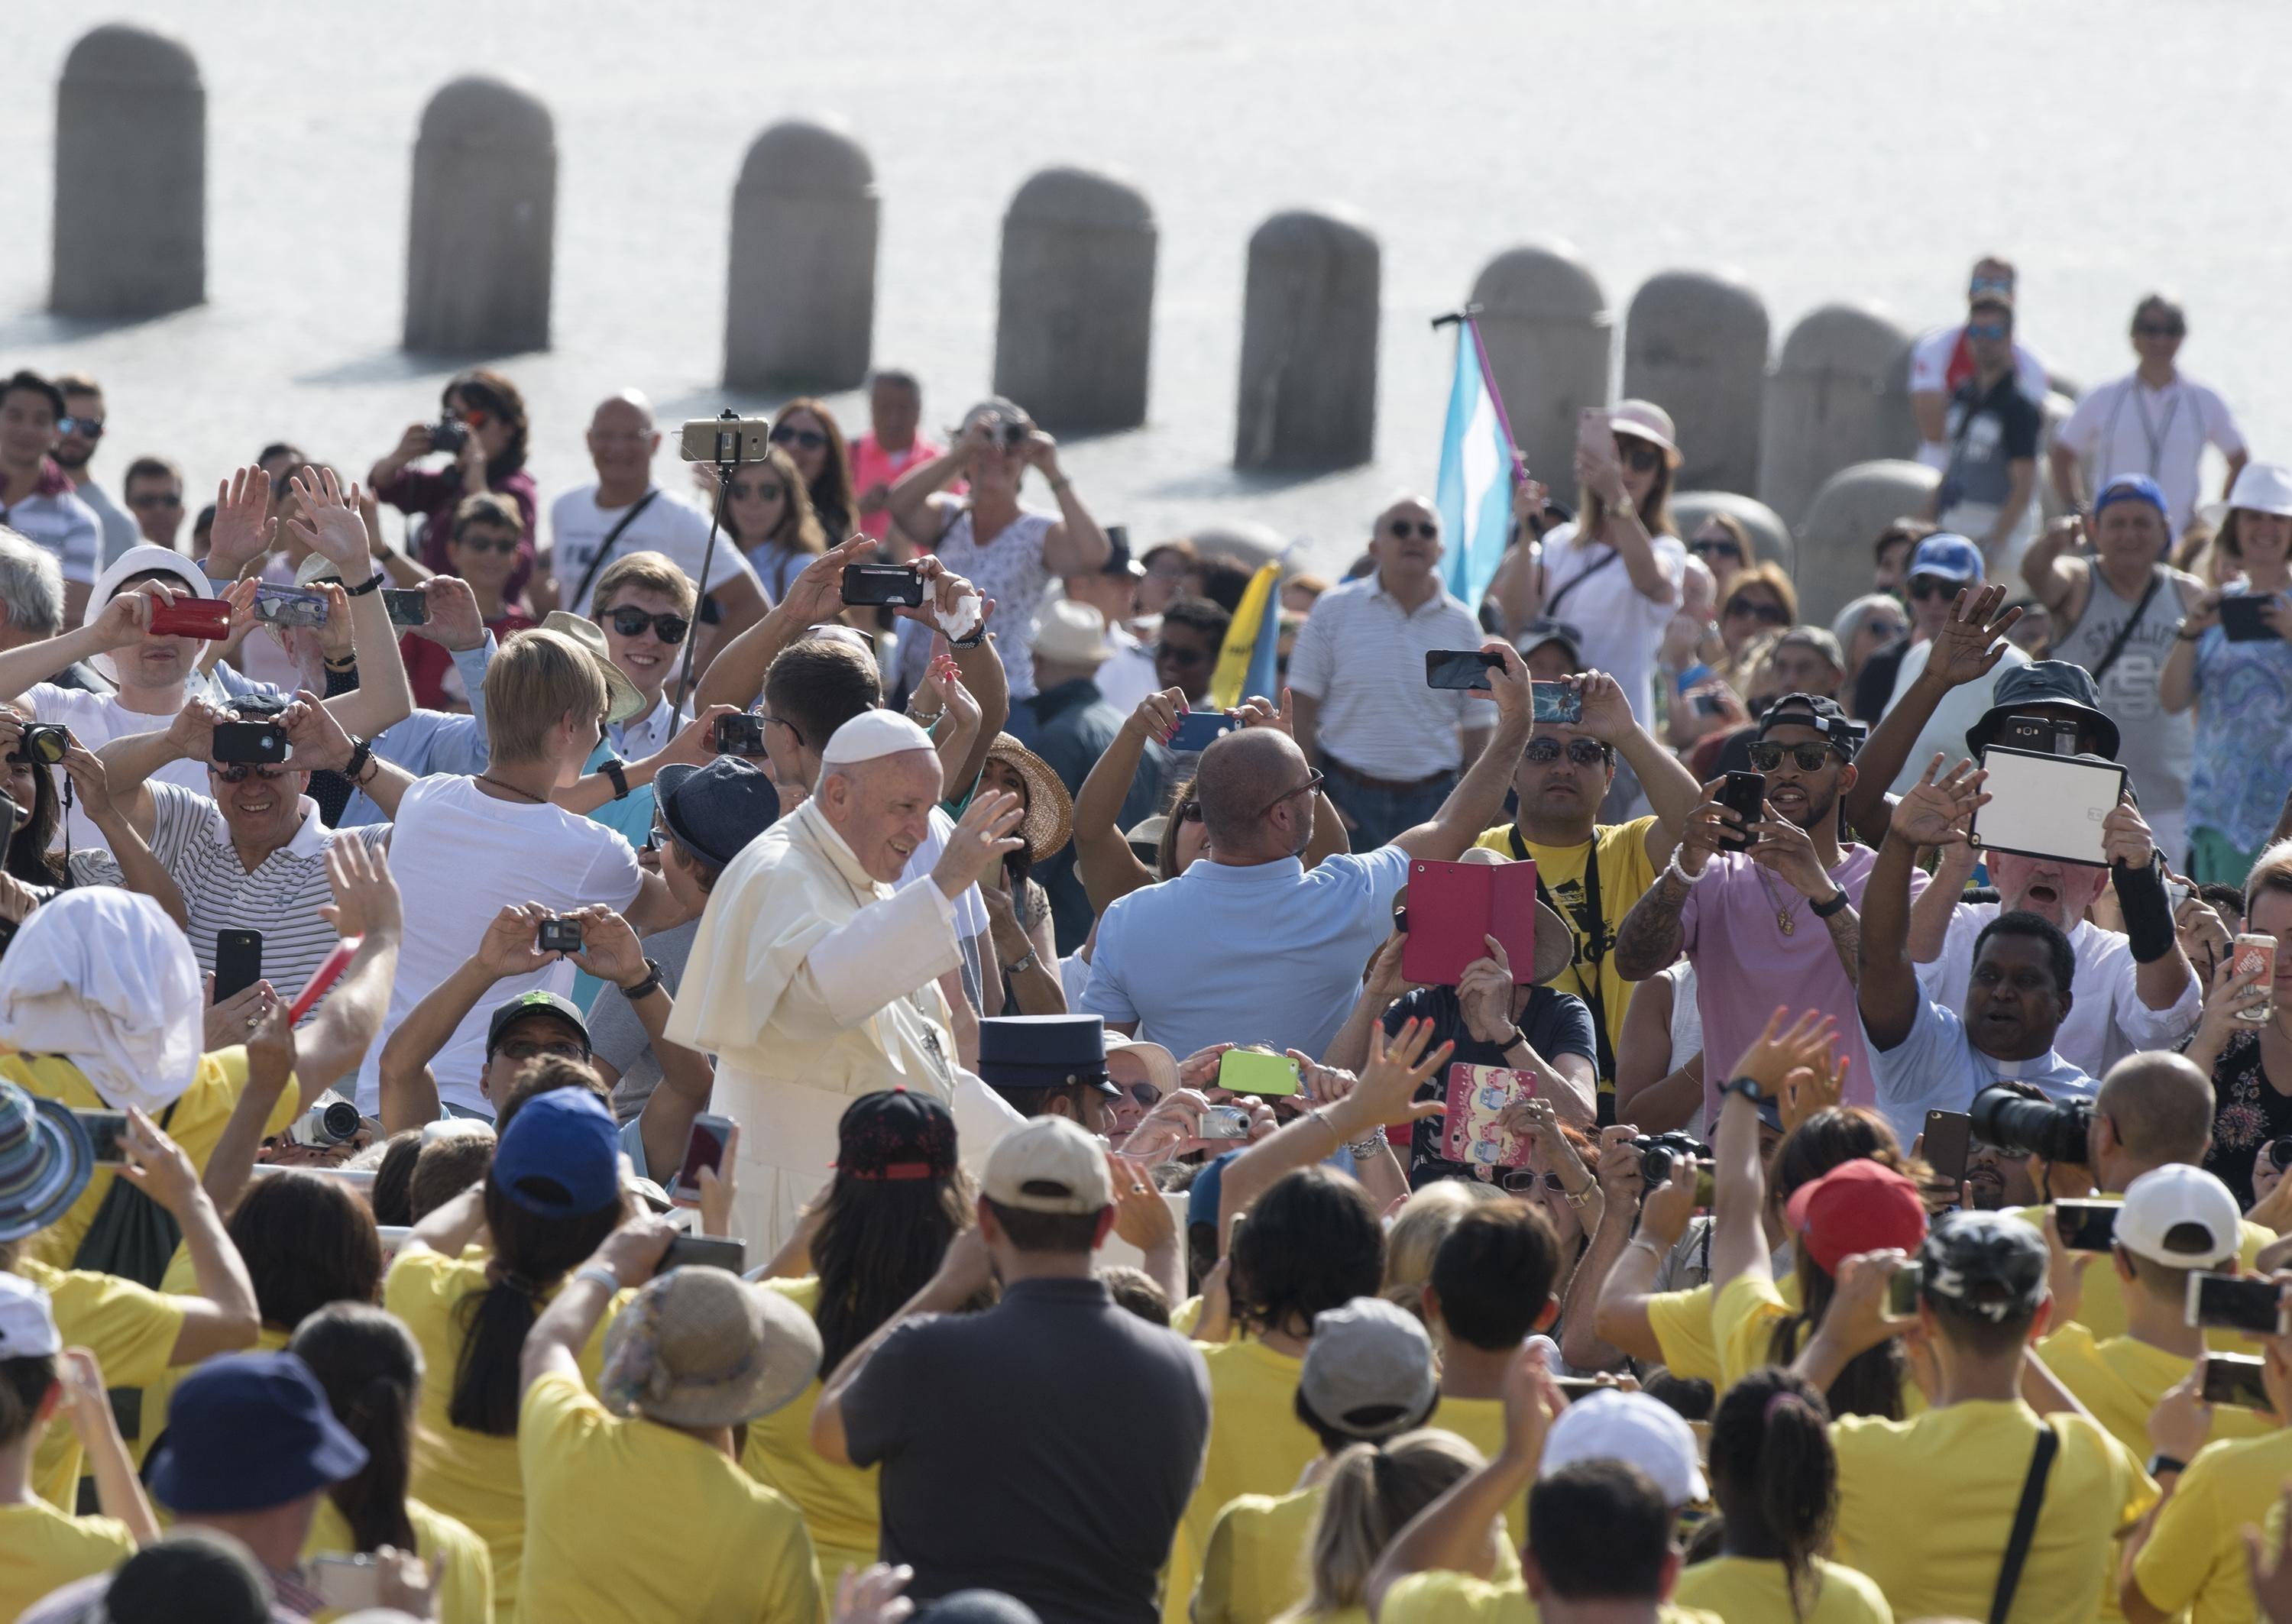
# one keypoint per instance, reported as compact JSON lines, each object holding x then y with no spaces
{"x":2025,"y":1521}
{"x":605,"y":548}
{"x":2156,"y":579}
{"x":1552,"y":605}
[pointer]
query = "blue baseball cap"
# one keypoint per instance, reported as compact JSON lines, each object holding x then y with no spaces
{"x":2133,"y":487}
{"x":1952,"y":558}
{"x":1202,"y":1196}
{"x":248,"y":1432}
{"x":561,"y":1155}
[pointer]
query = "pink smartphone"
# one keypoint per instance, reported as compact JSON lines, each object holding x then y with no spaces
{"x":1595,"y":433}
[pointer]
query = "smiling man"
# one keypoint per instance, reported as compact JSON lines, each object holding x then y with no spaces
{"x":36,"y":498}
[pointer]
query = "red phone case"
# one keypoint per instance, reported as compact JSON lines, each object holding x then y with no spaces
{"x":1454,"y":906}
{"x":207,"y":619}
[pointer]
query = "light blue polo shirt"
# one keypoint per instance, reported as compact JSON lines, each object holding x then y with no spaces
{"x":1937,"y":1068}
{"x":1272,"y":953}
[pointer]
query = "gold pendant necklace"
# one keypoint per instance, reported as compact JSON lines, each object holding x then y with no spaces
{"x":1783,"y":921}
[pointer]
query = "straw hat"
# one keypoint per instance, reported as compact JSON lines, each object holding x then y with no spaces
{"x":701,"y":1347}
{"x":621,"y":700}
{"x":1050,"y":810}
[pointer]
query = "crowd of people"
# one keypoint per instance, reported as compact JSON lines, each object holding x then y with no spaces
{"x":791,"y":1045}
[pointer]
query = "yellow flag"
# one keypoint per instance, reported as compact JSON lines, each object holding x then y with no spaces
{"x":1257,"y":614}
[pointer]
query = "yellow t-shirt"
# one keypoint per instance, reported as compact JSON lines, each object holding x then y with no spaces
{"x":1257,"y":1447}
{"x":1479,"y":1422}
{"x":196,"y":1122}
{"x":1924,"y":1505}
{"x":465,"y":1573}
{"x":2121,"y":1380}
{"x":838,"y":1502}
{"x":130,"y":1329}
{"x":2195,"y":1555}
{"x":1444,"y":1597}
{"x":2101,"y":1305}
{"x":1686,"y":1335}
{"x":470,"y":1477}
{"x":1741,"y":1590}
{"x":1743,"y":1319}
{"x":1257,"y":1564}
{"x":1624,"y":873}
{"x":42,"y":1549}
{"x":680,"y":1532}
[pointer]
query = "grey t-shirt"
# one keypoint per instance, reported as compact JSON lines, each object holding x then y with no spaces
{"x":615,"y":1035}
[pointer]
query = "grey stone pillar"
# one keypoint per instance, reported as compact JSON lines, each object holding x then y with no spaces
{"x":1839,"y":395}
{"x":1074,"y":315}
{"x":1309,"y":328}
{"x":481,"y":234}
{"x":130,"y":176}
{"x":1696,"y":344}
{"x":1770,"y":537}
{"x":1549,"y":336}
{"x":1842,"y":524}
{"x":801,"y":293}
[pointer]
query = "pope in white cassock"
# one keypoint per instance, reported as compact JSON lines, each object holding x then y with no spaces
{"x":813,"y":981}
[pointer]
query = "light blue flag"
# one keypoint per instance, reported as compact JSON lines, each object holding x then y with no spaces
{"x":1474,"y":495}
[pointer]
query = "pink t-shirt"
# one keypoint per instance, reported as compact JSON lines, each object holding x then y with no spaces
{"x":1745,"y":966}
{"x":872,"y":465}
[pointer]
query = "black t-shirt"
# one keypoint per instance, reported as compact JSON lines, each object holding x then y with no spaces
{"x":1874,"y":686}
{"x":1556,"y":1024}
{"x":2248,"y":1112}
{"x":1990,"y":430}
{"x":1045,"y":1448}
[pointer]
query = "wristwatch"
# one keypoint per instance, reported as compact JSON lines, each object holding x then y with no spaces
{"x":1623,"y":507}
{"x":647,"y":987}
{"x":1519,"y":1039}
{"x":373,"y":584}
{"x":1749,"y":1088}
{"x":613,"y":768}
{"x":2160,"y":1464}
{"x":1827,"y":910}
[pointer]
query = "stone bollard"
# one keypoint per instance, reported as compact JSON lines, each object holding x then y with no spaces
{"x":1771,"y":538}
{"x":1309,"y":329}
{"x":1075,"y":316}
{"x":481,"y":237}
{"x":1839,"y":395}
{"x":1549,"y":337}
{"x":1696,"y":344}
{"x":131,"y":199}
{"x":800,"y":301}
{"x":1841,"y":525}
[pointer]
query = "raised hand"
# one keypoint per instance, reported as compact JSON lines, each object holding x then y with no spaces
{"x":817,"y":594}
{"x":243,"y":529}
{"x":1969,"y":647}
{"x":315,"y":741}
{"x":1807,"y":1044}
{"x":366,"y":896}
{"x":1156,"y":718}
{"x":157,"y":1165}
{"x":1607,"y":712}
{"x":123,"y":622}
{"x":1484,"y":994}
{"x":1939,"y":811}
{"x":1784,"y":848}
{"x":453,"y":622}
{"x":1261,"y":712}
{"x":2126,"y":837}
{"x":984,"y":832}
{"x":328,"y":522}
{"x":1508,"y":684}
{"x":1387,"y":1092}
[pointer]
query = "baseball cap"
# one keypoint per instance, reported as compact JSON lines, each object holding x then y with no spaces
{"x":1203,"y":1196}
{"x":248,"y":1432}
{"x":1985,"y":1263}
{"x":560,"y":1156}
{"x":1825,"y":716}
{"x":1368,"y":1369}
{"x":28,"y":1321}
{"x":1049,"y":1165}
{"x":2177,"y":1196}
{"x":2132,"y":488}
{"x":535,"y":1002}
{"x":1823,"y":641}
{"x":712,"y":811}
{"x":1860,"y":1206}
{"x":892,"y":1136}
{"x":1952,"y":558}
{"x":1544,"y":629}
{"x":1613,"y":1425}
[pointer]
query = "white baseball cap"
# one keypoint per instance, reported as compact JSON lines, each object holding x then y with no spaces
{"x":2178,"y":1196}
{"x":1049,"y":1165}
{"x":28,"y":1324}
{"x":1613,"y":1425}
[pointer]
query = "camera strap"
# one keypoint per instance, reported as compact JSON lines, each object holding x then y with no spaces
{"x":2025,"y":1522}
{"x":2131,"y":623}
{"x":605,"y":548}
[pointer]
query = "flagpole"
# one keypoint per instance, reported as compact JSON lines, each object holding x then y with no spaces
{"x":1468,"y":315}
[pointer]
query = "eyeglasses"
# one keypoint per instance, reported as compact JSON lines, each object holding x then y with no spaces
{"x":630,"y":621}
{"x":1521,"y":1181}
{"x":239,"y":772}
{"x":86,"y":428}
{"x":1715,"y":549}
{"x":1190,"y":811}
{"x":1314,"y":781}
{"x":1990,"y":330}
{"x":809,"y":439}
{"x":768,"y":491}
{"x":1887,"y":629}
{"x":1922,"y":587}
{"x":1640,"y":459}
{"x":1808,"y":758}
{"x":487,"y":544}
{"x":1581,"y":753}
{"x":1402,"y":529}
{"x":1176,"y":656}
{"x":1759,"y":609}
{"x":2151,"y":329}
{"x":783,"y":721}
{"x":522,"y":1049}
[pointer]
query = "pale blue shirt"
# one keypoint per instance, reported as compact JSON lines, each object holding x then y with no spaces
{"x":1272,"y":953}
{"x":1937,"y":1068}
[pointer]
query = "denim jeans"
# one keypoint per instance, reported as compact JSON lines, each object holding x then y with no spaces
{"x":1379,"y":815}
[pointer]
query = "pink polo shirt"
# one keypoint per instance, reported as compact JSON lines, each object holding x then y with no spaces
{"x":872,"y":465}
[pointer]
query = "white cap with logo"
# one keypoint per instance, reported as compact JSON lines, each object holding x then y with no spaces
{"x":2178,"y":1196}
{"x":1049,"y":1165}
{"x":1635,"y":1429}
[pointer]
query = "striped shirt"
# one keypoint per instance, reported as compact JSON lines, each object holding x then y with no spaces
{"x":1362,"y":655}
{"x":281,"y":898}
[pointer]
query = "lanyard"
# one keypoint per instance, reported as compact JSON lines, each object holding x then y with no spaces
{"x":2156,"y":436}
{"x":1587,"y":956}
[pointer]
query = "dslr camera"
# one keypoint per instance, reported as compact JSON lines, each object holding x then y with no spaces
{"x":332,"y":1120}
{"x":2032,"y":1126}
{"x":449,"y":434}
{"x":46,"y":742}
{"x":1659,"y":1152}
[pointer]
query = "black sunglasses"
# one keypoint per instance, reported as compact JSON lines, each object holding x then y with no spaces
{"x":239,"y":772}
{"x":630,"y":621}
{"x":1582,"y":752}
{"x":1402,"y":529}
{"x":1759,"y":609}
{"x":1176,"y":656}
{"x":1639,"y":459}
{"x":1767,"y":756}
{"x":1715,"y":549}
{"x":86,"y":428}
{"x":811,"y":439}
{"x":1190,"y":811}
{"x":2150,"y":329}
{"x":1922,"y":587}
{"x":150,"y":500}
{"x":487,"y":544}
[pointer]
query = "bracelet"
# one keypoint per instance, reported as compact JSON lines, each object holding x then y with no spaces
{"x":361,"y":752}
{"x":926,"y":719}
{"x":1831,"y":909}
{"x":647,"y":987}
{"x":602,"y":1275}
{"x":978,"y":636}
{"x":348,"y":661}
{"x":1672,"y":871}
{"x":2162,"y":1465}
{"x":374,"y":584}
{"x":1653,"y":1250}
{"x":1315,"y":1112}
{"x":1366,"y":1146}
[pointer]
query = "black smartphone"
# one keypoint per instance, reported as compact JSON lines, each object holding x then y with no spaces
{"x":239,"y":959}
{"x":882,"y":583}
{"x":2242,"y":621}
{"x":1745,"y":794}
{"x":407,"y":606}
{"x":105,"y":1131}
{"x":2253,"y":1304}
{"x":1949,"y":1136}
{"x":740,"y":734}
{"x":1459,"y":668}
{"x":709,"y":1252}
{"x":558,"y":935}
{"x":703,"y":1149}
{"x":260,"y":743}
{"x":2086,"y":1225}
{"x":2046,"y":734}
{"x":1709,"y":705}
{"x":1902,"y":1290}
{"x":2235,"y":1379}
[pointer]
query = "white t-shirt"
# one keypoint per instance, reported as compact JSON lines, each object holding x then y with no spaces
{"x":460,"y":856}
{"x":95,"y":720}
{"x":578,"y":527}
{"x":2124,"y":427}
{"x":1622,"y":630}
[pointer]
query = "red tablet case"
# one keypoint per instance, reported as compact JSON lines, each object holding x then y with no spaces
{"x":1452,"y":906}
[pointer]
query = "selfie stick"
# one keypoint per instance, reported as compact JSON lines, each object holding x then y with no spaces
{"x":728,"y":458}
{"x":1488,"y":380}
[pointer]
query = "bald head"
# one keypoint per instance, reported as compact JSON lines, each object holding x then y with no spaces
{"x":627,"y":406}
{"x":2161,"y":1107}
{"x":1240,"y":777}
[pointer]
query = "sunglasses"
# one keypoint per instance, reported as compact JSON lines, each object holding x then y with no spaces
{"x":239,"y":772}
{"x":1887,"y":629}
{"x":151,"y":500}
{"x":1640,"y":459}
{"x":1314,"y":781}
{"x":487,"y":543}
{"x":86,"y":428}
{"x":1402,"y":529}
{"x":1717,"y":550}
{"x":1190,"y":811}
{"x":1807,"y":758}
{"x":1185,"y":657}
{"x":770,"y":492}
{"x":1759,"y":609}
{"x":630,"y":621}
{"x":1521,"y":1181}
{"x":1990,"y":330}
{"x":1145,"y":1094}
{"x":522,"y":1049}
{"x":1922,"y":587}
{"x":1581,"y":753}
{"x":2150,"y":329}
{"x":809,"y":439}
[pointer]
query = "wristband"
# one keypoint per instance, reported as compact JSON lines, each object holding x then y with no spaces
{"x":361,"y":752}
{"x":1672,"y":871}
{"x":614,"y":768}
{"x":602,"y":1275}
{"x":374,"y":584}
{"x":1831,"y":909}
{"x":978,"y":636}
{"x":2147,"y":911}
{"x":1653,"y":1250}
{"x":2160,"y":1464}
{"x":647,"y":987}
{"x":348,"y":661}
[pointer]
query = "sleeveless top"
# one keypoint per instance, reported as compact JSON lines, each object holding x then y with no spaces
{"x":1007,"y":567}
{"x":2158,"y":748}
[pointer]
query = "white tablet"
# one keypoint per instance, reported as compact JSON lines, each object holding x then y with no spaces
{"x":2047,"y":806}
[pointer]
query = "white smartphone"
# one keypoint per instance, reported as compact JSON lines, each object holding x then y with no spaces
{"x":347,"y":1583}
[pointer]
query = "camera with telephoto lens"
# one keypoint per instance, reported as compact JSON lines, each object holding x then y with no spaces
{"x":2032,"y":1126}
{"x":1659,"y":1150}
{"x":47,"y":742}
{"x":332,"y":1120}
{"x":449,"y":434}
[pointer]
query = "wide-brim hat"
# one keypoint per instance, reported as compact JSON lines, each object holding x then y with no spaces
{"x":2057,"y":683}
{"x":1645,"y":420}
{"x":45,"y":1161}
{"x":316,"y":568}
{"x":1161,"y":1066}
{"x":701,"y":1347}
{"x":1071,"y":633}
{"x":1049,"y":822}
{"x":1555,"y":944}
{"x":621,"y":700}
{"x":2260,"y":487}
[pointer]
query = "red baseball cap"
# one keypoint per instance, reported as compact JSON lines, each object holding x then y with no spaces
{"x":1863,"y":1206}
